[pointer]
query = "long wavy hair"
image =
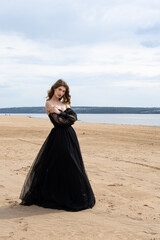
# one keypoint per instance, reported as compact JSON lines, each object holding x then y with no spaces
{"x":66,"y":98}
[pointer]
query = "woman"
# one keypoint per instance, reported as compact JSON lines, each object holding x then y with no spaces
{"x":57,"y":178}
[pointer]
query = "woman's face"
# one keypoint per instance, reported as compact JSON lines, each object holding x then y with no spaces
{"x":60,"y":91}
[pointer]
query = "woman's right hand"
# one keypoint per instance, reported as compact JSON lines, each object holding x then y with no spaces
{"x":54,"y":109}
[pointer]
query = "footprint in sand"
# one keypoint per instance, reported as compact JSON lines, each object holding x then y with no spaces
{"x":115,"y":184}
{"x":102,"y":200}
{"x":22,"y":223}
{"x":25,"y":227}
{"x":22,"y":170}
{"x":11,"y":234}
{"x":111,"y":205}
{"x":19,"y":220}
{"x":12,"y":202}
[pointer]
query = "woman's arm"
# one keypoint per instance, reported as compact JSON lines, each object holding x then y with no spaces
{"x":51,"y":108}
{"x":70,"y":115}
{"x":63,"y":118}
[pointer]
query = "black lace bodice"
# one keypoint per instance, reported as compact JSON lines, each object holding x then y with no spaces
{"x":64,"y":119}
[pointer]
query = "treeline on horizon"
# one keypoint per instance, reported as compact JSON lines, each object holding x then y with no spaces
{"x":81,"y":109}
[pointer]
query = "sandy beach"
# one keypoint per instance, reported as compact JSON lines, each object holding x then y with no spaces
{"x":123,"y":166}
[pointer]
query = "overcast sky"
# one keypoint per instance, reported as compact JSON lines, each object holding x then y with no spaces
{"x":108,"y":51}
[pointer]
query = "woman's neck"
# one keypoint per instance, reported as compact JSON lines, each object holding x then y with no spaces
{"x":54,"y":99}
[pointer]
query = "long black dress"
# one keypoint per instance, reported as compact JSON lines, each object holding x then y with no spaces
{"x":57,"y":178}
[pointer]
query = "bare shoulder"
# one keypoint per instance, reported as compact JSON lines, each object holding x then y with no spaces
{"x":48,"y":106}
{"x":67,"y":105}
{"x":48,"y":102}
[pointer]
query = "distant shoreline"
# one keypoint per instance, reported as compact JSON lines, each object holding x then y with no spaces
{"x":86,"y":110}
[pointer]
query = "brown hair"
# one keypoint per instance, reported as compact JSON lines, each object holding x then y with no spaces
{"x":66,"y":98}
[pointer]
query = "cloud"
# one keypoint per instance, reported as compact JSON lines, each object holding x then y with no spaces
{"x":107,"y":47}
{"x":65,"y":23}
{"x":31,"y":60}
{"x":136,"y":84}
{"x":150,"y":44}
{"x":153,"y":29}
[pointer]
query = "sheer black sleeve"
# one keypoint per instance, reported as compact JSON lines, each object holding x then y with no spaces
{"x":65,"y":118}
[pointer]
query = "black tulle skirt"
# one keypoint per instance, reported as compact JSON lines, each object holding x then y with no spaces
{"x":57,"y":178}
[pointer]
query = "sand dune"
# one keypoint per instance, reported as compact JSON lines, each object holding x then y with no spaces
{"x":123,"y":165}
